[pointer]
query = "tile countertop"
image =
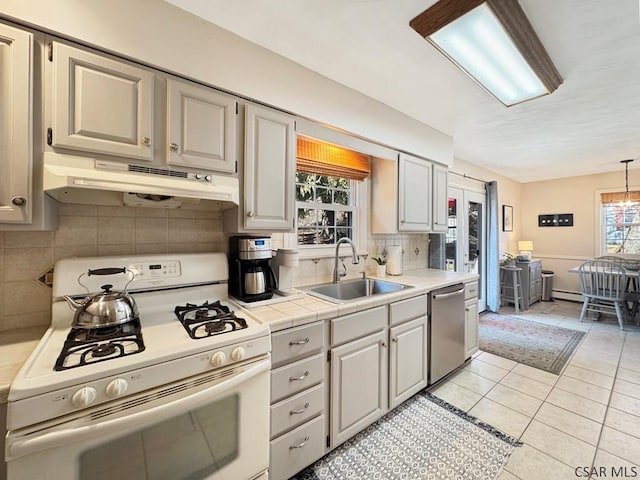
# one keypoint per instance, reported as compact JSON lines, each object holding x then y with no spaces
{"x":309,"y":309}
{"x":15,"y":347}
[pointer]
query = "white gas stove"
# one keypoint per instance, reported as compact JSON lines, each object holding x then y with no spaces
{"x":153,"y":365}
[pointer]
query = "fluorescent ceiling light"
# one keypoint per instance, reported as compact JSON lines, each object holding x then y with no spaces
{"x":493,"y":42}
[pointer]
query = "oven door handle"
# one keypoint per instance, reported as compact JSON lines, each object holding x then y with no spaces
{"x":38,"y":441}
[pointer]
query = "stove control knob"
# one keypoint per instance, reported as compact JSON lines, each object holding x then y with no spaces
{"x":84,"y":397}
{"x":218,"y":359}
{"x":237,"y":354}
{"x":116,"y":388}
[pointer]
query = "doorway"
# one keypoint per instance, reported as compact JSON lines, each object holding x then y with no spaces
{"x":465,"y":241}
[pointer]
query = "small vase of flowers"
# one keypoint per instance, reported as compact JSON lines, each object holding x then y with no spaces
{"x":509,"y":259}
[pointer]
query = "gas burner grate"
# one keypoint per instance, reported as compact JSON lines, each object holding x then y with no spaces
{"x":88,"y":346}
{"x":208,"y":319}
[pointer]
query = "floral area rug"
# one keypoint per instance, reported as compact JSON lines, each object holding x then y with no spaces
{"x":424,"y":438}
{"x":535,"y":344}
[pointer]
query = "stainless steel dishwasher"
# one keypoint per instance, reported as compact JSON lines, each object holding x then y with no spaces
{"x":446,"y":331}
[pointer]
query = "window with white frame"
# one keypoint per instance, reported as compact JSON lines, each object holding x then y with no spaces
{"x":620,"y":222}
{"x":328,"y":193}
{"x":325,"y":208}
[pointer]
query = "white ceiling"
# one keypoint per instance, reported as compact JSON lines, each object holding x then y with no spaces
{"x":586,"y":126}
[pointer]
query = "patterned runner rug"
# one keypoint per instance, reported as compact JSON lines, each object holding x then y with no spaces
{"x":535,"y":344}
{"x":424,"y":438}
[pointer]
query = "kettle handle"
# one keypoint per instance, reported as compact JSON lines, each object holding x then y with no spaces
{"x":107,"y":271}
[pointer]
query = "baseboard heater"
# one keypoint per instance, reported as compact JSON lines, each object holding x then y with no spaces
{"x":567,"y":295}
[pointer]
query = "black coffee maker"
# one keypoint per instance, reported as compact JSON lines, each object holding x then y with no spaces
{"x":251,"y":277}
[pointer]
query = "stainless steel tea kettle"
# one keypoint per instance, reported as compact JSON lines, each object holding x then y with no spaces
{"x":107,"y":308}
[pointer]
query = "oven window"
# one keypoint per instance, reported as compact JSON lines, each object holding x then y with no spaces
{"x":193,"y":445}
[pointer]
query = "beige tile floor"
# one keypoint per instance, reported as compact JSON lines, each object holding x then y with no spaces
{"x":586,"y":417}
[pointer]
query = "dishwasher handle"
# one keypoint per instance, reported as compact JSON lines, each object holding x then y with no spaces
{"x":447,"y":295}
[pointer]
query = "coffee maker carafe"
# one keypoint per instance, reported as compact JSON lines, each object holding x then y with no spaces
{"x":251,"y":277}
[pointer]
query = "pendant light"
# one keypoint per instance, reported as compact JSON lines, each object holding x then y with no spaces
{"x":627,"y":198}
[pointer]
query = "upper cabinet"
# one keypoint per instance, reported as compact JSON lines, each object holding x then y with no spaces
{"x":100,"y":105}
{"x":440,"y":198}
{"x":414,"y":194}
{"x":409,"y":195}
{"x":16,"y":130}
{"x":201,"y":127}
{"x":269,"y":169}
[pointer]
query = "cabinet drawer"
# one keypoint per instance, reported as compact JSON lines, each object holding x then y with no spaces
{"x":297,"y":449}
{"x":291,"y":412}
{"x":296,"y":377}
{"x":408,"y":309}
{"x":296,"y":343}
{"x":470,"y":290}
{"x":358,"y":325}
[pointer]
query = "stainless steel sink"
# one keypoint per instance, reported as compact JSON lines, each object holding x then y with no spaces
{"x":354,"y":289}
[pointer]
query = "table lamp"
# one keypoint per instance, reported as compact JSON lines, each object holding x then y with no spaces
{"x":525,"y":247}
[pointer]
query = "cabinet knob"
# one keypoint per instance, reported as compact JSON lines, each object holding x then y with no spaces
{"x":19,"y":201}
{"x":146,"y":141}
{"x":250,"y":214}
{"x":173,"y":147}
{"x":394,"y":340}
{"x":383,"y":344}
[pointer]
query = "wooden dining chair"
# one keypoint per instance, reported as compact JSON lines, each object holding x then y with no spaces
{"x":603,"y":285}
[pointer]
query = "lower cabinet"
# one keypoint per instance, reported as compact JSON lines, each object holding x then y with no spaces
{"x":408,"y":360}
{"x":358,"y":385}
{"x":471,"y":319}
{"x":298,"y":420}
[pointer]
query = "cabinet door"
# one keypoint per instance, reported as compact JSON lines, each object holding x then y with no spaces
{"x":471,"y":319}
{"x":201,"y":129}
{"x":440,"y":198}
{"x":358,"y":385}
{"x":414,"y":194}
{"x":408,"y":360}
{"x":269,"y":169}
{"x":101,"y":105}
{"x":16,"y":131}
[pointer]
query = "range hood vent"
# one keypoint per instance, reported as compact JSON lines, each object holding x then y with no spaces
{"x":157,"y":171}
{"x":63,"y":173}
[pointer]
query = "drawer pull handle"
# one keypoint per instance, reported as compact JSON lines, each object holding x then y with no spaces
{"x":298,"y":412}
{"x":300,"y":445}
{"x":302,"y":377}
{"x":300,"y":342}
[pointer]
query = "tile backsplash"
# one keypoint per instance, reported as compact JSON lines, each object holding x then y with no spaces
{"x":91,"y":230}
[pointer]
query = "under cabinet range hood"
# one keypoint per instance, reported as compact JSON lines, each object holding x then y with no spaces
{"x":69,"y":177}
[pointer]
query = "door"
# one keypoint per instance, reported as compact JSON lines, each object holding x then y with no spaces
{"x":358,"y":385}
{"x":414,"y":194}
{"x":201,"y":127}
{"x":408,"y":360}
{"x":269,"y":169}
{"x":101,"y":105}
{"x":16,"y":92}
{"x":466,"y":249}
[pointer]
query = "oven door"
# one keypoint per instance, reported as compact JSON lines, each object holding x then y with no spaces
{"x":212,"y":426}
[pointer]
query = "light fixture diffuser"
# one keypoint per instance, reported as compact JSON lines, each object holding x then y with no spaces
{"x":493,"y":42}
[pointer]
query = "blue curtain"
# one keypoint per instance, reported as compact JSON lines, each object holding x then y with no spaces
{"x":493,"y":262}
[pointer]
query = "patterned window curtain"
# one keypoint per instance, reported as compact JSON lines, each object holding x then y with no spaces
{"x":493,"y":262}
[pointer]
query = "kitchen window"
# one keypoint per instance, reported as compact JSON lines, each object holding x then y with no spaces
{"x":324,"y":207}
{"x":620,"y":221}
{"x":330,"y":195}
